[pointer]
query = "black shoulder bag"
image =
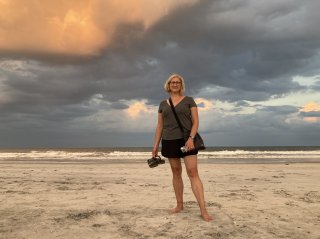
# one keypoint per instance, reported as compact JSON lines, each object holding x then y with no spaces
{"x":198,"y":141}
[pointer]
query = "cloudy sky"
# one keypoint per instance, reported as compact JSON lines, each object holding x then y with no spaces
{"x":90,"y":73}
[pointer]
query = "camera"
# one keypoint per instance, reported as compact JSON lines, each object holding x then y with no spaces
{"x":155,"y":161}
{"x":184,"y":149}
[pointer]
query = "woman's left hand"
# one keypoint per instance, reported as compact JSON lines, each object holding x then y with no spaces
{"x":189,"y":144}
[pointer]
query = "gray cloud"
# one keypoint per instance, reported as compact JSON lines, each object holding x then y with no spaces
{"x":310,"y":114}
{"x":119,"y":106}
{"x":268,"y":126}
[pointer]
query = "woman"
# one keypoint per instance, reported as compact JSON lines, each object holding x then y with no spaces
{"x":172,"y":141}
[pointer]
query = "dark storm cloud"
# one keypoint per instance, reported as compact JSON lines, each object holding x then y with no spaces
{"x":47,"y":86}
{"x":252,"y":49}
{"x":234,"y":51}
{"x":237,"y":46}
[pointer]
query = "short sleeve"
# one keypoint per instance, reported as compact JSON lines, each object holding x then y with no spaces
{"x":192,"y":103}
{"x":160,"y":108}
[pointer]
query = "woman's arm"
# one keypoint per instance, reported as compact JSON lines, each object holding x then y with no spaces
{"x":194,"y":128}
{"x":195,"y":121}
{"x":157,"y":136}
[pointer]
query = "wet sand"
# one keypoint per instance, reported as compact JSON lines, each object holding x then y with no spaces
{"x":77,"y":200}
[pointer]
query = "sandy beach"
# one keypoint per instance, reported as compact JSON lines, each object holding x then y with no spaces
{"x":77,"y":200}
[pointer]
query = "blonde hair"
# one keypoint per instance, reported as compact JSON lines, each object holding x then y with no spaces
{"x":167,"y":83}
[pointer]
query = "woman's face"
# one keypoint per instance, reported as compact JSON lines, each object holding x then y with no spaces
{"x":175,"y":85}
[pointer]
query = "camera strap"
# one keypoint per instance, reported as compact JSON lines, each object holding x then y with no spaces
{"x":176,"y":116}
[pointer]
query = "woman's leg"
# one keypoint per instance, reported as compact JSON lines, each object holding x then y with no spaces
{"x":191,"y":163}
{"x":176,"y":169}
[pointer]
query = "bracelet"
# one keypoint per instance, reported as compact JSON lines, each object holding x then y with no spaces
{"x":192,"y":137}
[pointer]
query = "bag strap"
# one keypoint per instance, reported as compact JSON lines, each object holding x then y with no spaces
{"x":176,"y":116}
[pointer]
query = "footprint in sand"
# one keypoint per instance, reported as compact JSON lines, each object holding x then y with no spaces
{"x":283,"y":193}
{"x":311,"y":197}
{"x":252,"y":179}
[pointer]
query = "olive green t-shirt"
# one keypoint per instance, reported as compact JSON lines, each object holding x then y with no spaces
{"x":171,"y":128}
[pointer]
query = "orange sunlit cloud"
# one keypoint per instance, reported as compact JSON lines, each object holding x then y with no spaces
{"x":310,"y":119}
{"x":76,"y":27}
{"x":136,"y":109}
{"x":311,"y":107}
{"x":203,"y":104}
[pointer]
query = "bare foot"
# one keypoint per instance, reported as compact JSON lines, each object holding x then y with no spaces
{"x":206,"y":217}
{"x":177,"y":209}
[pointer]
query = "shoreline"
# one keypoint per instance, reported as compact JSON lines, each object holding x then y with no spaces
{"x":142,"y":161}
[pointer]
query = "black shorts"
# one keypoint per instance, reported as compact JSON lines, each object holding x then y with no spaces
{"x":172,"y":148}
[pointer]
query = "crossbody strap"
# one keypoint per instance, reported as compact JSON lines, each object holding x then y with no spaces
{"x":176,"y":116}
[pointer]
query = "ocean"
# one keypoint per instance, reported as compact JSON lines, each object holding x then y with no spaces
{"x":290,"y":154}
